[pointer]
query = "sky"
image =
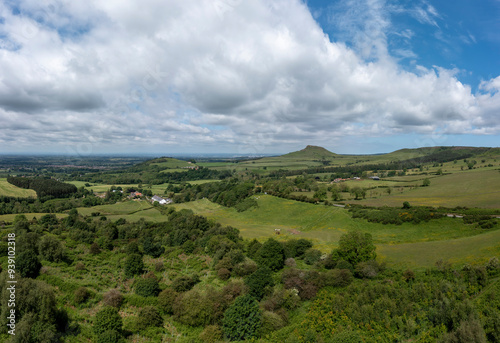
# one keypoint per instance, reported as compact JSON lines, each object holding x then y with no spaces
{"x":247,"y":77}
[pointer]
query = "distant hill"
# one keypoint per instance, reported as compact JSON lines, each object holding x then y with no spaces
{"x":312,"y":152}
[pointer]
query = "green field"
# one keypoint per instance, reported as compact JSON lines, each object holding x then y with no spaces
{"x":131,"y":210}
{"x":470,"y":188}
{"x":445,"y":238}
{"x":102,"y":188}
{"x":6,"y":189}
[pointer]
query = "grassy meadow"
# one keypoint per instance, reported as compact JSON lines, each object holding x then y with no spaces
{"x":6,"y":189}
{"x":444,"y":238}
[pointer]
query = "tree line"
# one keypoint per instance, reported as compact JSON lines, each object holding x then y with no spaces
{"x":44,"y":187}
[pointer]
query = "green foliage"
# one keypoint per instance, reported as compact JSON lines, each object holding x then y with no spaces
{"x":312,"y":256}
{"x":154,"y":249}
{"x":260,"y":282}
{"x":242,"y":320}
{"x":355,"y":247}
{"x":113,"y":298}
{"x":133,"y":265}
{"x":28,"y":265}
{"x":197,"y":308}
{"x":110,"y":336}
{"x":147,"y":287}
{"x":149,"y":316}
{"x":51,"y":249}
{"x":184,"y":283}
{"x":211,"y":334}
{"x":426,"y":183}
{"x":81,"y":295}
{"x":296,"y":247}
{"x":107,"y":319}
{"x":166,"y":300}
{"x":271,"y":255}
{"x":35,"y":308}
{"x":406,"y":205}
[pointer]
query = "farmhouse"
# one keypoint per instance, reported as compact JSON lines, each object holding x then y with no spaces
{"x":160,"y":200}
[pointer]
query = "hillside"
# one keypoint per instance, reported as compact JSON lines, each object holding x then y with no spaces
{"x":311,"y":152}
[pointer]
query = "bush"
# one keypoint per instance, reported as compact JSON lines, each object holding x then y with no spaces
{"x":133,"y":265}
{"x":166,"y":300}
{"x":113,"y":298}
{"x":242,"y":320}
{"x":159,"y":266}
{"x":94,"y":248}
{"x":110,"y":336}
{"x":343,"y":264}
{"x":81,"y":295}
{"x":355,"y":247}
{"x":149,"y":316}
{"x":271,"y":255}
{"x":107,"y":319}
{"x":151,"y":248}
{"x":195,"y":308}
{"x":312,"y":256}
{"x":338,"y":278}
{"x":211,"y":334}
{"x":184,"y":283}
{"x":271,"y":322}
{"x":245,"y":268}
{"x":51,"y":249}
{"x":28,"y":265}
{"x":290,"y":262}
{"x":260,"y":282}
{"x":79,"y":266}
{"x":147,"y":287}
{"x":223,"y":274}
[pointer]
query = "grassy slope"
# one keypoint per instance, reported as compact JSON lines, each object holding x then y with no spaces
{"x":407,"y":244}
{"x":470,"y":188}
{"x":6,"y":189}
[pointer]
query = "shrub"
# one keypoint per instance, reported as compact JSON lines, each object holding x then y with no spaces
{"x":28,"y":265}
{"x":242,"y":320}
{"x":290,"y":262}
{"x":367,"y":270}
{"x":343,"y":264}
{"x":338,"y":278}
{"x":81,"y":295}
{"x":271,"y":255}
{"x":271,"y":322}
{"x":133,"y":265}
{"x":79,"y":266}
{"x":260,"y":282}
{"x":312,"y":256}
{"x":211,"y":334}
{"x":107,"y":319}
{"x":133,"y":248}
{"x":147,"y":287}
{"x":113,"y":298}
{"x":159,"y":266}
{"x":355,"y":247}
{"x":166,"y":300}
{"x":51,"y":249}
{"x":110,"y":336}
{"x":245,"y":268}
{"x":151,"y":248}
{"x":223,"y":274}
{"x":196,"y":308}
{"x":149,"y":316}
{"x":184,"y":283}
{"x":94,"y":248}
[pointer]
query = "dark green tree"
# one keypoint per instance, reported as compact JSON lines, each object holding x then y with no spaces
{"x":147,"y":287}
{"x":107,"y":319}
{"x":152,"y":248}
{"x":149,"y":316}
{"x":260,"y":282}
{"x":51,"y":249}
{"x":271,"y":254}
{"x":133,"y":265}
{"x":355,"y":247}
{"x":28,"y":265}
{"x":242,"y":320}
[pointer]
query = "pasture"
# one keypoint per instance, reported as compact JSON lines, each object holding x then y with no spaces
{"x":445,"y":238}
{"x":6,"y":189}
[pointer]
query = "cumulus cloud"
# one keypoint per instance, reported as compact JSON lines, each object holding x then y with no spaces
{"x":211,"y":73}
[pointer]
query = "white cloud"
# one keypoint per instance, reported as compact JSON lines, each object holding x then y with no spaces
{"x":259,"y":73}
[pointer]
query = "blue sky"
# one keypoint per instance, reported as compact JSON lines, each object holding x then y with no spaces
{"x":240,"y":77}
